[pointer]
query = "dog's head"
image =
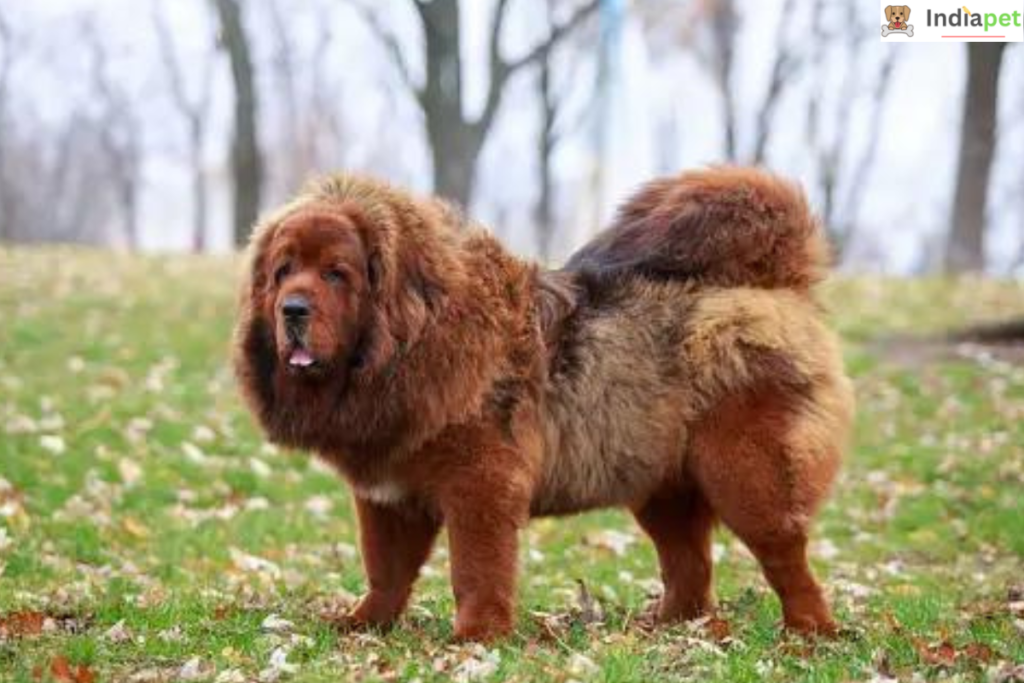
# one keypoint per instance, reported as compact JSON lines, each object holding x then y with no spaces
{"x":897,"y":13}
{"x":311,"y":280}
{"x":340,"y":282}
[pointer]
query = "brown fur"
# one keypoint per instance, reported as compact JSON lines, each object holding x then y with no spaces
{"x":677,"y":366}
{"x":897,"y":16}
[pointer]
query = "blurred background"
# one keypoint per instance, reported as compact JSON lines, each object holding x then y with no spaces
{"x":168,"y":125}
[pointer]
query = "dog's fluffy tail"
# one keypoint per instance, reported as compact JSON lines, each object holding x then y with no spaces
{"x":724,"y":226}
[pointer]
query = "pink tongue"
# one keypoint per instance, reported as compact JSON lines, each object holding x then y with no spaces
{"x":300,"y":358}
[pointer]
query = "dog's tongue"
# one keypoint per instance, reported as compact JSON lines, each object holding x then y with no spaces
{"x":897,"y":24}
{"x":300,"y":358}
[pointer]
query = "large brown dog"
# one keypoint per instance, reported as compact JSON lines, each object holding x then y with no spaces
{"x":676,"y":366}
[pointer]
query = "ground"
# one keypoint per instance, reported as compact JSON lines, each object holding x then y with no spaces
{"x":147,"y":533}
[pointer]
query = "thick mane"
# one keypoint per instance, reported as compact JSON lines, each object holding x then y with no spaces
{"x":444,"y":301}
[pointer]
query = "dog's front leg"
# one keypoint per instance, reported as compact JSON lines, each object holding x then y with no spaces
{"x":484,"y":512}
{"x":396,"y":539}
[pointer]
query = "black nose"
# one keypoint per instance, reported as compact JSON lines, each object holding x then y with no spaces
{"x":295,"y":308}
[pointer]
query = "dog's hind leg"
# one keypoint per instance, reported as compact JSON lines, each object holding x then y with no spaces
{"x":764,"y":460}
{"x":679,"y":521}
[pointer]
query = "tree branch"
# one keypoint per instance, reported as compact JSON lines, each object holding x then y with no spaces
{"x":782,"y":70}
{"x":502,"y":70}
{"x":390,"y":42}
{"x":559,"y":32}
{"x":167,"y":55}
{"x":498,"y":65}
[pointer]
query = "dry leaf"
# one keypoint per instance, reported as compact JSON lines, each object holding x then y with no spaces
{"x":65,"y":672}
{"x":20,"y":624}
{"x":719,"y":629}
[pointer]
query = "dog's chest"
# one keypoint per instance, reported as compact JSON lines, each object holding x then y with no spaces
{"x":381,"y":493}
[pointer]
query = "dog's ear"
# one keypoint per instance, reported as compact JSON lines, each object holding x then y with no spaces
{"x":888,"y":13}
{"x":255,"y":277}
{"x":401,"y":293}
{"x":906,"y":13}
{"x":255,"y":360}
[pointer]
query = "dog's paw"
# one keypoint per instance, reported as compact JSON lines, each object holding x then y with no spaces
{"x":809,"y":626}
{"x":482,"y":631}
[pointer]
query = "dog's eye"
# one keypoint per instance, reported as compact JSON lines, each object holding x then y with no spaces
{"x":282,"y":272}
{"x":335,"y":276}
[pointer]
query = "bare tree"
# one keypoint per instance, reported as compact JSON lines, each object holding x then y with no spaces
{"x":725,"y":26}
{"x":284,"y":70}
{"x":246,"y":157}
{"x":120,"y":136}
{"x":85,"y":208}
{"x":73,"y":160}
{"x":455,"y":138}
{"x":841,"y":184}
{"x":965,"y":248}
{"x":784,"y":65}
{"x":710,"y":30}
{"x":546,"y":141}
{"x":194,"y":111}
{"x":553,"y":101}
{"x":321,"y":139}
{"x":7,"y":57}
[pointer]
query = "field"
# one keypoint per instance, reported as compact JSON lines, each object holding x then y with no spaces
{"x":148,"y":534}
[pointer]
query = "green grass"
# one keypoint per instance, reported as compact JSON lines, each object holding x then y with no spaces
{"x":144,"y":519}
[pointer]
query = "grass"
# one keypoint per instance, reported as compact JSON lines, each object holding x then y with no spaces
{"x":147,"y":533}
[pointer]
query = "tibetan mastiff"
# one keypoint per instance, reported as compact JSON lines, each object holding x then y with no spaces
{"x":677,"y":365}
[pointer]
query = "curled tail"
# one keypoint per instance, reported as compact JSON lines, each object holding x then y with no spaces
{"x":725,"y":226}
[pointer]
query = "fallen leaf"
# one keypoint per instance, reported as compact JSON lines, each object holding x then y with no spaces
{"x":610,"y":539}
{"x":275,"y":624}
{"x":978,"y":651}
{"x":481,"y":664}
{"x":941,"y":654}
{"x":581,"y":665}
{"x":130,"y":471}
{"x":52,"y":443}
{"x":719,"y":629}
{"x":192,"y":670}
{"x":21,"y":624}
{"x":230,"y":676}
{"x":118,"y":633}
{"x":135,"y":527}
{"x":63,"y":671}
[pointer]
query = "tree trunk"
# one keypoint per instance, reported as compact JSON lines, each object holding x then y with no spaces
{"x":544,"y":212}
{"x":246,"y":159}
{"x":199,"y":201}
{"x":452,"y":138}
{"x":130,"y":206}
{"x":454,"y":166}
{"x":965,"y":249}
{"x":6,"y":62}
{"x":456,"y":140}
{"x":725,"y":28}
